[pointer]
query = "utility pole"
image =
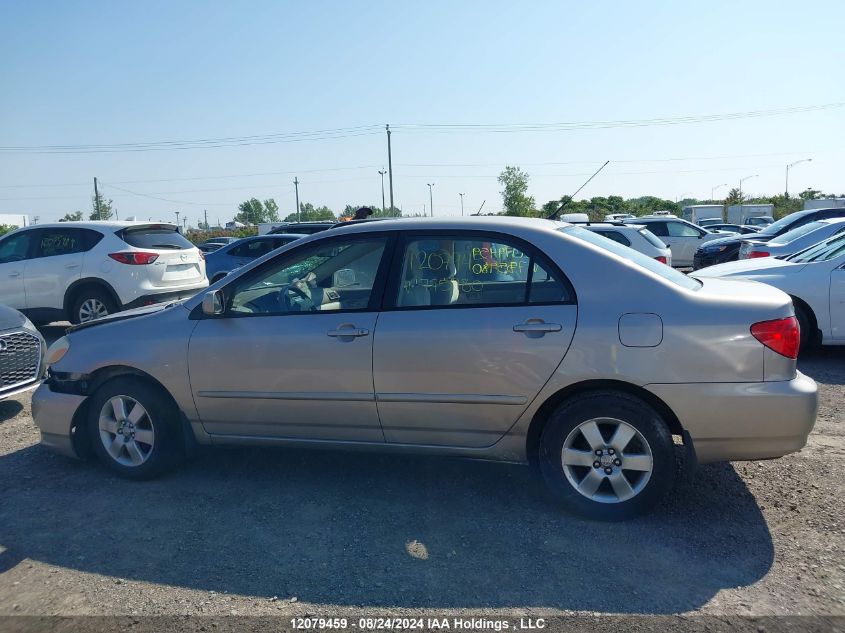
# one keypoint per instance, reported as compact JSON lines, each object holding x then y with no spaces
{"x":790,"y":165}
{"x":462,"y":204}
{"x":382,"y":173}
{"x":184,"y":224}
{"x":177,"y":218}
{"x":205,"y":212}
{"x":390,"y":168}
{"x":431,"y":198}
{"x":97,"y":199}
{"x":296,"y":186}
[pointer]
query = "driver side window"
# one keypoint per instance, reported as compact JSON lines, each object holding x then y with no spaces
{"x":15,"y":248}
{"x":333,"y":276}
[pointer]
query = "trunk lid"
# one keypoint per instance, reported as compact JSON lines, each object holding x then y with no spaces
{"x":179,"y":262}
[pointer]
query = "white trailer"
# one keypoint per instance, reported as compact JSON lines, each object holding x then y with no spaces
{"x":741,"y":213}
{"x":695,"y":213}
{"x":822,"y":203}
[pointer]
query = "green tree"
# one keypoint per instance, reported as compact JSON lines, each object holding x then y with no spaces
{"x":733,"y":197}
{"x":515,"y":198}
{"x":5,"y":228}
{"x":309,"y":213}
{"x":76,"y":216}
{"x":104,"y":212}
{"x":253,"y":211}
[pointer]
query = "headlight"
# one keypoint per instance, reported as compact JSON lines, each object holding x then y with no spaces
{"x":27,"y":325}
{"x":57,"y":351}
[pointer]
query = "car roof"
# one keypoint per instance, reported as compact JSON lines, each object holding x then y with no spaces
{"x":611,"y":225}
{"x":98,"y":224}
{"x":479,"y":223}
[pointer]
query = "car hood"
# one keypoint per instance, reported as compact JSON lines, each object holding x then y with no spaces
{"x":10,"y":318}
{"x":126,"y":314}
{"x":743,"y":267}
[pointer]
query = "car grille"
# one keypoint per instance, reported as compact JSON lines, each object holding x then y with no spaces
{"x":20,"y":359}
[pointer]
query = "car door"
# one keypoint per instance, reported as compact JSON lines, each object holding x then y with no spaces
{"x":683,"y":239}
{"x":473,"y":326}
{"x":291,"y":355}
{"x":15,"y":252}
{"x":55,"y":265}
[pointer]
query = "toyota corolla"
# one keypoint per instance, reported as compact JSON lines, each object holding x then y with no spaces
{"x":499,"y":338}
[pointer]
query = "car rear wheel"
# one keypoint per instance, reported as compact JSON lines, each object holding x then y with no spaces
{"x":805,"y":327}
{"x":607,"y":455}
{"x":90,"y":304}
{"x":133,"y":428}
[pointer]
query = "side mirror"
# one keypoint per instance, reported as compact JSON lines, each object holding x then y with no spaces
{"x":344,"y":278}
{"x":212,"y":303}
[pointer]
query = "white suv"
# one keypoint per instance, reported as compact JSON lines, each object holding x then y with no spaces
{"x":81,"y":271}
{"x":633,"y":236}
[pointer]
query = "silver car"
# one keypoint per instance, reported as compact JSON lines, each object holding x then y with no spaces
{"x":21,"y":353}
{"x":498,"y":338}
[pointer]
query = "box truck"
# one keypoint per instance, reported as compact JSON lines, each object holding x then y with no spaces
{"x":742,"y":213}
{"x":695,"y":213}
{"x":825,"y":203}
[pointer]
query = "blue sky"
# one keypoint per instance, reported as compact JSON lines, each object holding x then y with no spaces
{"x":126,"y":72}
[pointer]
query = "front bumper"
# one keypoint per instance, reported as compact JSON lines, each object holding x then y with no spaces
{"x":740,"y":421}
{"x":54,"y":414}
{"x":20,"y":389}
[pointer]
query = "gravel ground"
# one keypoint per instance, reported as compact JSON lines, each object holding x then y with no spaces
{"x":282,"y":532}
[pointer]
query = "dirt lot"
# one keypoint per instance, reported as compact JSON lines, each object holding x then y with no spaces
{"x":292,"y":532}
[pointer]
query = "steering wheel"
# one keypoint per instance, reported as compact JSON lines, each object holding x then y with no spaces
{"x":295,"y":289}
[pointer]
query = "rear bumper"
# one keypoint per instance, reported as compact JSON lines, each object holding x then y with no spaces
{"x":53,"y":414}
{"x":163,"y":297}
{"x":743,"y":421}
{"x":702,"y":260}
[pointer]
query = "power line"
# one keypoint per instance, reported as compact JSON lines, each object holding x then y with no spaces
{"x":365,"y":130}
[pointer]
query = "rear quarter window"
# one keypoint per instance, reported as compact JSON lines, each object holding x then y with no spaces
{"x":652,"y":239}
{"x":155,"y":238}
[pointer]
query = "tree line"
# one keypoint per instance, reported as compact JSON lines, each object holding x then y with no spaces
{"x":516,"y":201}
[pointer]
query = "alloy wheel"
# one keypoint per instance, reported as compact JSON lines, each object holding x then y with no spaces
{"x":607,"y":460}
{"x":126,"y":431}
{"x":92,"y":309}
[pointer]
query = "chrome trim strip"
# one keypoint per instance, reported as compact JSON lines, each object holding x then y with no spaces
{"x":291,"y":395}
{"x":451,"y":398}
{"x":19,"y":390}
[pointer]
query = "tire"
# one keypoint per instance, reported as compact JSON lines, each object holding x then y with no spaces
{"x":143,"y":444}
{"x":90,"y":301}
{"x":609,"y":492}
{"x":805,"y":324}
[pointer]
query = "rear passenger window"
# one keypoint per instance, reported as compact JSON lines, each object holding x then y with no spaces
{"x":252,"y":249}
{"x":658,"y":228}
{"x":465,"y":271}
{"x":616,"y":236}
{"x":53,"y":242}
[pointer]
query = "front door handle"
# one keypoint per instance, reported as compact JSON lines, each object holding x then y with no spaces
{"x":71,"y":265}
{"x":15,"y":273}
{"x":537,"y":326}
{"x":348,"y":330}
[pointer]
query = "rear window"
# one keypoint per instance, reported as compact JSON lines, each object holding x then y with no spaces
{"x":652,"y":239}
{"x":667,"y":272}
{"x":155,"y":237}
{"x":794,"y":234}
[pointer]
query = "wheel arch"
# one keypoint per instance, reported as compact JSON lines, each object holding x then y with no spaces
{"x":814,"y":322}
{"x":100,"y":377}
{"x":88,"y":282}
{"x":542,"y":414}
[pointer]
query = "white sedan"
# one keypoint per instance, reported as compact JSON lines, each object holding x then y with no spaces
{"x":814,"y":278}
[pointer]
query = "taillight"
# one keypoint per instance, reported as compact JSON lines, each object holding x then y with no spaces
{"x":661,"y":259}
{"x":755,"y":254}
{"x":202,"y":256}
{"x":780,"y":335}
{"x":134,"y":258}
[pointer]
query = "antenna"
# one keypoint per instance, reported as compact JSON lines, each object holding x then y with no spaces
{"x":555,"y":215}
{"x":480,"y":208}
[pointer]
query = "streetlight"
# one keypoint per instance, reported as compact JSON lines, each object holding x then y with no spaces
{"x":431,"y":197}
{"x":682,"y":196}
{"x":786,"y":187}
{"x":742,"y":180}
{"x":713,"y":190}
{"x":462,"y":203}
{"x":177,"y":218}
{"x":382,"y":173}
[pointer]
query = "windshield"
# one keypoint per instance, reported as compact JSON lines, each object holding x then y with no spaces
{"x":780,"y":225}
{"x":822,"y":252}
{"x":667,"y":272}
{"x":796,"y":233}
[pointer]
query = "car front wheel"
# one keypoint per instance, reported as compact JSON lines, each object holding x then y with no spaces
{"x":607,"y":455}
{"x":133,"y":428}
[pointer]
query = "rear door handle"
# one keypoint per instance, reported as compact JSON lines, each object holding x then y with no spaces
{"x":71,"y":265}
{"x":15,"y":273}
{"x":537,"y":326}
{"x":351,"y":332}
